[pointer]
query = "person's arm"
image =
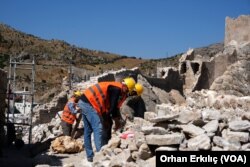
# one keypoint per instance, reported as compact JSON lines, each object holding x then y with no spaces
{"x":72,"y":108}
{"x":114,"y":95}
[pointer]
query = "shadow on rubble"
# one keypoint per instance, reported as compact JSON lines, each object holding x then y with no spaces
{"x":29,"y":155}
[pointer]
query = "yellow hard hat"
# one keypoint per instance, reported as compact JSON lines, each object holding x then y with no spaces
{"x":138,"y":89}
{"x":130,"y":82}
{"x":77,"y":93}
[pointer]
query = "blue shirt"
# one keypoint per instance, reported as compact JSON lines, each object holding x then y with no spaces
{"x":72,"y":108}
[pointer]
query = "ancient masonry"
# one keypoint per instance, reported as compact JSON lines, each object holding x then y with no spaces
{"x":237,"y":29}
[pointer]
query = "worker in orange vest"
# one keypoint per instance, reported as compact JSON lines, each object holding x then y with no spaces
{"x":69,"y":113}
{"x":99,"y":103}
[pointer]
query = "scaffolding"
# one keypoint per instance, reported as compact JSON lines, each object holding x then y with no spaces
{"x":13,"y":92}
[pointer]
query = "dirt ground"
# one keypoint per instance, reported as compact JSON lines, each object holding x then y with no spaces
{"x":13,"y":157}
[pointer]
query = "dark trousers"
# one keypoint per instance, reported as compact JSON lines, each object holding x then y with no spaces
{"x":107,"y":130}
{"x":67,"y":128}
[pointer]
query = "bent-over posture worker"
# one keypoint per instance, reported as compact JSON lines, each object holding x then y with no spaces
{"x":69,"y":113}
{"x":99,"y":103}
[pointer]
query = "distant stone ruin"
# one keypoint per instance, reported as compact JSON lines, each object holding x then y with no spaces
{"x":237,"y":29}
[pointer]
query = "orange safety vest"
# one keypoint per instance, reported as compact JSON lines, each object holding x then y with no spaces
{"x":67,"y":116}
{"x":98,"y":97}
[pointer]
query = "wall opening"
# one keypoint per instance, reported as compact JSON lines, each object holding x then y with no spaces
{"x":195,"y":67}
{"x":183,"y":68}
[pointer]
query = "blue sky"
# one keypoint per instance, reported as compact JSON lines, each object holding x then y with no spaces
{"x":141,"y":28}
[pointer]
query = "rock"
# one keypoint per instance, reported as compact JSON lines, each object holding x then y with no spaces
{"x":139,"y":139}
{"x":164,"y":118}
{"x":139,"y":122}
{"x":153,"y":130}
{"x":168,"y":139}
{"x":211,"y":126}
{"x":166,"y":149}
{"x":246,"y":116}
{"x":114,"y":142}
{"x":144,"y":152}
{"x":134,"y":155}
{"x":149,"y":115}
{"x":117,"y":151}
{"x":132,"y":146}
{"x":239,"y":125}
{"x":66,"y":144}
{"x":245,"y":147}
{"x":192,"y":130}
{"x":121,"y":159}
{"x":215,"y":148}
{"x":188,"y":115}
{"x":162,"y":95}
{"x":201,"y":142}
{"x":210,"y":114}
{"x":235,"y":136}
{"x":176,"y":97}
{"x":225,"y":144}
{"x":164,"y":109}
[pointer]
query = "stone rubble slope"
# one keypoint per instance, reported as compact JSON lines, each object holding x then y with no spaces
{"x":208,"y":114}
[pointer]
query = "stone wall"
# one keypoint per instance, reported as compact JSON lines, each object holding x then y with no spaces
{"x":237,"y":29}
{"x":119,"y":75}
{"x":170,"y":80}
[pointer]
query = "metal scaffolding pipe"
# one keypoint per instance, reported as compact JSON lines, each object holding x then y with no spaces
{"x":12,"y":84}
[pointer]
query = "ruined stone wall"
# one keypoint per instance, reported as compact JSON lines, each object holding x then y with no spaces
{"x":3,"y":89}
{"x":119,"y":75}
{"x":172,"y":80}
{"x":237,"y":29}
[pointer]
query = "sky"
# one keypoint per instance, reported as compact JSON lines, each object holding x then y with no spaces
{"x":140,"y":28}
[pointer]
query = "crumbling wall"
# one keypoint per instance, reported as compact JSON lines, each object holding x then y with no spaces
{"x":237,"y":29}
{"x":3,"y":89}
{"x":171,"y":80}
{"x":118,"y":75}
{"x":200,"y":74}
{"x":44,"y":113}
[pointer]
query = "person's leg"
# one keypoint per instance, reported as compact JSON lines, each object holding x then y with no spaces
{"x":87,"y":130}
{"x":94,"y":121}
{"x":66,"y":128}
{"x":107,"y":129}
{"x":87,"y":138}
{"x":97,"y":129}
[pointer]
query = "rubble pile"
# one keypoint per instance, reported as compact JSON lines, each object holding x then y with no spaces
{"x":179,"y":128}
{"x":206,"y":119}
{"x":203,"y":105}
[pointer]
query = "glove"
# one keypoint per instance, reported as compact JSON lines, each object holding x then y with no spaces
{"x":119,"y":123}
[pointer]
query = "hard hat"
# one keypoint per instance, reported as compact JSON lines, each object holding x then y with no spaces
{"x":138,"y":89}
{"x":77,"y":93}
{"x":130,"y":82}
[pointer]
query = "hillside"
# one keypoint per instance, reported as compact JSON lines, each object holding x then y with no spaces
{"x":53,"y":57}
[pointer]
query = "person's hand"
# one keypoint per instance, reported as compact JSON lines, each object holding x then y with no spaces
{"x":119,"y":123}
{"x":78,"y":109}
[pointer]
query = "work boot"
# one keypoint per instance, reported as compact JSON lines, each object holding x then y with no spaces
{"x":90,"y":159}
